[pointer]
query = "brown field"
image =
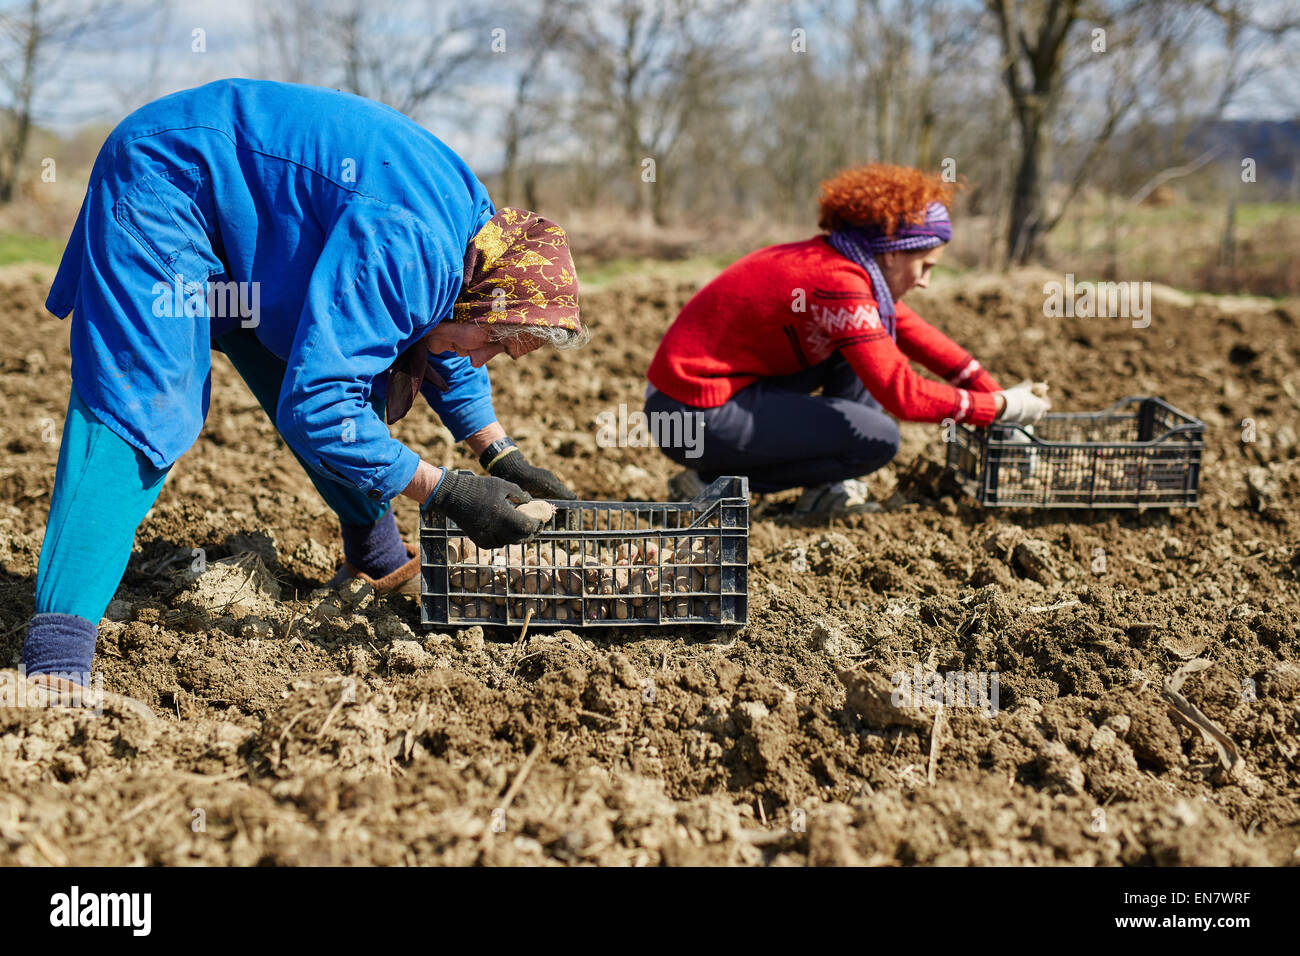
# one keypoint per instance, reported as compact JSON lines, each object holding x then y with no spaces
{"x":291,"y":733}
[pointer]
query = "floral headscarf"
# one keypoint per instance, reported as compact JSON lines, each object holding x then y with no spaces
{"x":518,"y":271}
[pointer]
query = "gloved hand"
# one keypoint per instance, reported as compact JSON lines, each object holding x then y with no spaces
{"x":513,"y":466}
{"x":484,"y":508}
{"x":1026,"y":403}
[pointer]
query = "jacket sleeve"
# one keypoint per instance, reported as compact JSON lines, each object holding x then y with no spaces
{"x":922,"y":342}
{"x":850,"y":323}
{"x":466,"y":406}
{"x":380,"y":277}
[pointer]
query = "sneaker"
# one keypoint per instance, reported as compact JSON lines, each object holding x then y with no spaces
{"x":685,"y":485}
{"x":839,"y":497}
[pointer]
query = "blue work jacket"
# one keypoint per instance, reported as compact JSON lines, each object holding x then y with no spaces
{"x":332,"y":226}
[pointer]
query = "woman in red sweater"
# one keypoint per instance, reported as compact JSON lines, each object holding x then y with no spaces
{"x":747,"y":353}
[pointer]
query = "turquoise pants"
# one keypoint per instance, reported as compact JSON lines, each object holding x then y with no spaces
{"x":104,"y":487}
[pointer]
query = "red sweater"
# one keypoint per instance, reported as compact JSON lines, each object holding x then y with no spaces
{"x":784,"y":308}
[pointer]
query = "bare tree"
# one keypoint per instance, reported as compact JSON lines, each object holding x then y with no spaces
{"x":653,"y":70}
{"x":538,"y":36}
{"x":294,"y":41}
{"x":1247,"y":33}
{"x":147,"y":82}
{"x":36,"y":38}
{"x":878,"y":80}
{"x":1120,"y":68}
{"x":1033,"y":68}
{"x":406,"y":53}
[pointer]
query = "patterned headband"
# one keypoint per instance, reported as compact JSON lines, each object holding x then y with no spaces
{"x":934,"y":230}
{"x":863,"y":244}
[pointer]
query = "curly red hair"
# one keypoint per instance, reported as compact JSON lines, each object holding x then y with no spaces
{"x":880,"y":195}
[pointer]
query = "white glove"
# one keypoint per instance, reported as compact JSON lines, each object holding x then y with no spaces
{"x":1026,"y":403}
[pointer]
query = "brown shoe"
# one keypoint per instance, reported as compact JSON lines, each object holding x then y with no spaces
{"x":61,"y":692}
{"x":405,"y":580}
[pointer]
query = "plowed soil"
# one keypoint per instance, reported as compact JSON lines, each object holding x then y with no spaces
{"x":295,"y":726}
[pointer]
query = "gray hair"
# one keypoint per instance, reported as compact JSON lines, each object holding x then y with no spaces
{"x":554,"y":336}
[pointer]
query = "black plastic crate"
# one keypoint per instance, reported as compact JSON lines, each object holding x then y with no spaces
{"x":599,"y":563}
{"x":1139,"y":453}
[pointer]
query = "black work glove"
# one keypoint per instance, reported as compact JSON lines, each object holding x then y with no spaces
{"x":484,"y":508}
{"x":503,"y":459}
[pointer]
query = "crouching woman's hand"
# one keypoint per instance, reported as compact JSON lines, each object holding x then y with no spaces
{"x":1023,"y":404}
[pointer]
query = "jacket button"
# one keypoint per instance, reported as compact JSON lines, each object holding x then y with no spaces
{"x":374,"y":494}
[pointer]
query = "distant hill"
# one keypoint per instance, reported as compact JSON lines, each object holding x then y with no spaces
{"x":1274,"y":145}
{"x":1139,"y":153}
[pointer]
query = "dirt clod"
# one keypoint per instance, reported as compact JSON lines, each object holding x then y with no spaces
{"x":330,"y":727}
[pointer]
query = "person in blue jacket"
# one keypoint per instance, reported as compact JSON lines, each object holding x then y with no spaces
{"x":344,"y":259}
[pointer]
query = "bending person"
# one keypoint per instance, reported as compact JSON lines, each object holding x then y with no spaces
{"x":345,"y":260}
